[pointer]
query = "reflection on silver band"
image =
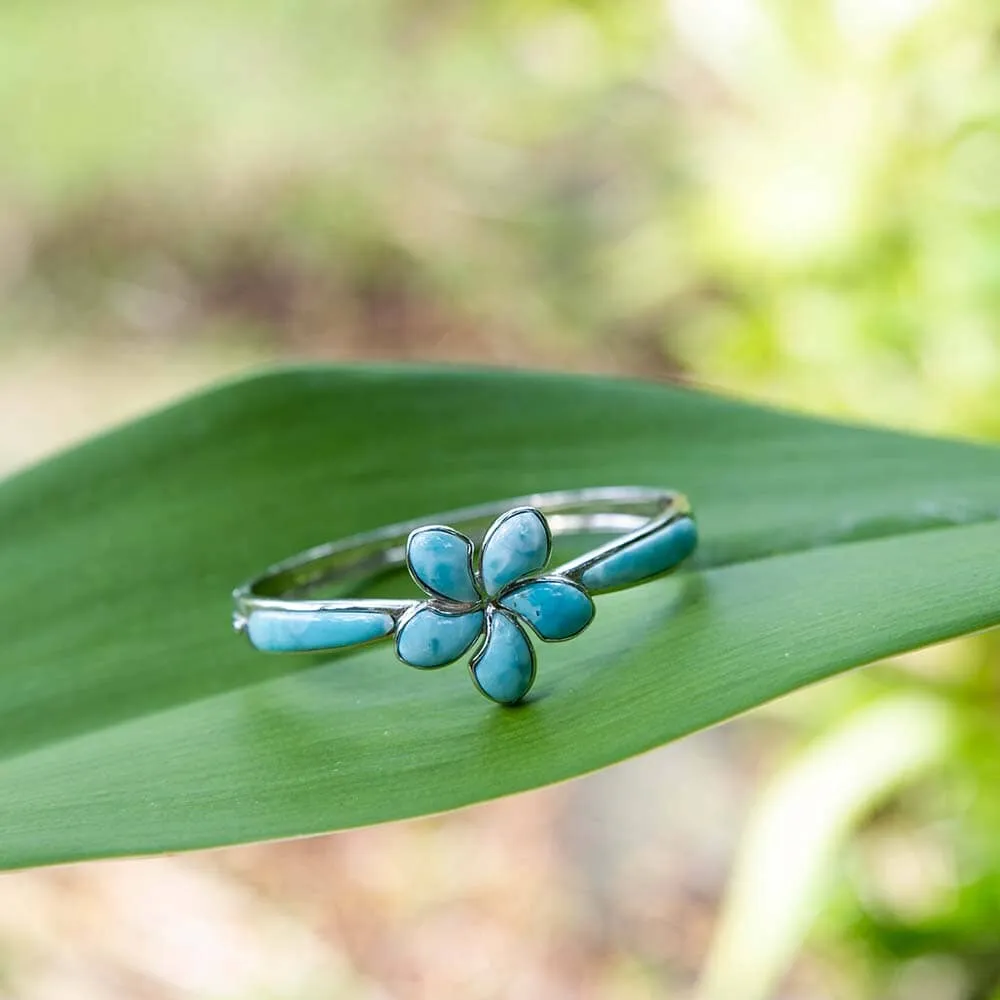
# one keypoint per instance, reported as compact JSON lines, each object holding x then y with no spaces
{"x":497,"y":596}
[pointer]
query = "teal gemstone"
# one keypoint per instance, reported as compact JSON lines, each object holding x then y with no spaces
{"x":555,"y":609}
{"x":505,"y":668}
{"x":441,"y":562}
{"x":431,"y":638}
{"x":299,"y":631}
{"x":644,"y":558}
{"x":517,"y":544}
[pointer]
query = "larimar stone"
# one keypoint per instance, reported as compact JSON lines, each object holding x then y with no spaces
{"x":517,"y":544}
{"x":555,"y":609}
{"x":505,"y":667}
{"x":298,"y":631}
{"x":644,"y":558}
{"x":431,"y":638}
{"x":440,"y":560}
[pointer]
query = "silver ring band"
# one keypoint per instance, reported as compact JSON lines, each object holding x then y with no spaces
{"x":504,"y":590}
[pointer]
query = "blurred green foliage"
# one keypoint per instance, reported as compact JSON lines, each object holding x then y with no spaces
{"x":799,"y":202}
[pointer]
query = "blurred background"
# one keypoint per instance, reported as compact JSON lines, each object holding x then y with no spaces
{"x":792,"y":202}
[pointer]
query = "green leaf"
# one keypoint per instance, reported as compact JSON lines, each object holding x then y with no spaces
{"x":133,"y":720}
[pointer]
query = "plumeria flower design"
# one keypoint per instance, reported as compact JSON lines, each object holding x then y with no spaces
{"x":494,"y":599}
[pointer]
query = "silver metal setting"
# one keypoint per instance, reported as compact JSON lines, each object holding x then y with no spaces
{"x":632,"y":513}
{"x":491,"y":614}
{"x":470,"y":551}
{"x":551,"y":577}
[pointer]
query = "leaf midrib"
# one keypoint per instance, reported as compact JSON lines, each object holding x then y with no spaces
{"x":799,"y":547}
{"x":720,"y":566}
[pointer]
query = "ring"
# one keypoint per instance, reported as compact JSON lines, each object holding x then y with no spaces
{"x":483,"y":602}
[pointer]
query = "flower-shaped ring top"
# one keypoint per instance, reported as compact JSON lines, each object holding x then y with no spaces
{"x":493,"y":599}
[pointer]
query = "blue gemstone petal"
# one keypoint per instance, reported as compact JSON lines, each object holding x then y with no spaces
{"x":504,"y":669}
{"x":440,"y":560}
{"x":431,"y":638}
{"x":644,"y":558}
{"x":518,"y":543}
{"x":555,"y":609}
{"x":299,"y":631}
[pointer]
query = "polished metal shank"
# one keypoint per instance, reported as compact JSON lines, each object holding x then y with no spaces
{"x":630,"y":512}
